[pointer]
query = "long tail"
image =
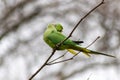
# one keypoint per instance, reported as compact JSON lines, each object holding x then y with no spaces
{"x":99,"y":53}
{"x":74,"y":53}
{"x":87,"y":51}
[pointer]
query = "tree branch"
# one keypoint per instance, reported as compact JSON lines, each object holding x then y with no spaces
{"x":59,"y":44}
{"x":53,"y":52}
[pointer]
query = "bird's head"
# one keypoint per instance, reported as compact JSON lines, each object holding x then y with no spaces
{"x":58,"y":27}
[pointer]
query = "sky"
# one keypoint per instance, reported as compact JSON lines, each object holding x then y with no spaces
{"x":23,"y":50}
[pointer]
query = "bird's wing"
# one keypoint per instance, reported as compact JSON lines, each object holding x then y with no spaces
{"x":57,"y":37}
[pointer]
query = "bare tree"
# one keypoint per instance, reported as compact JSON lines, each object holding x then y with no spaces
{"x":22,"y":49}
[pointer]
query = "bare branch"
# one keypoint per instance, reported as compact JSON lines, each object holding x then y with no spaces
{"x":93,"y":41}
{"x":53,"y":52}
{"x":61,"y":61}
{"x":58,"y":58}
{"x":59,"y":44}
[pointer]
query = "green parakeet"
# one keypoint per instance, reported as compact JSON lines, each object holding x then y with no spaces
{"x":53,"y":36}
{"x":59,"y":28}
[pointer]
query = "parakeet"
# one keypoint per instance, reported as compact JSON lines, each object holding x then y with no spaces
{"x":52,"y":37}
{"x":59,"y":28}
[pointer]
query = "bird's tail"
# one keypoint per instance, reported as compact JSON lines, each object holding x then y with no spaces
{"x":75,"y":53}
{"x":88,"y":52}
{"x":99,"y":53}
{"x":72,"y":51}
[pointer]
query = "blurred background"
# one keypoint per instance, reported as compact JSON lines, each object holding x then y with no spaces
{"x":23,"y":51}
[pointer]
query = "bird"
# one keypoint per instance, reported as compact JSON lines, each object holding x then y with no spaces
{"x":59,"y":28}
{"x":53,"y":36}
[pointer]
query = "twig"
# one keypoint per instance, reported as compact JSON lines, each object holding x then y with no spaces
{"x":53,"y":52}
{"x":61,"y":61}
{"x":57,"y":58}
{"x":59,"y":44}
{"x":93,"y":41}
